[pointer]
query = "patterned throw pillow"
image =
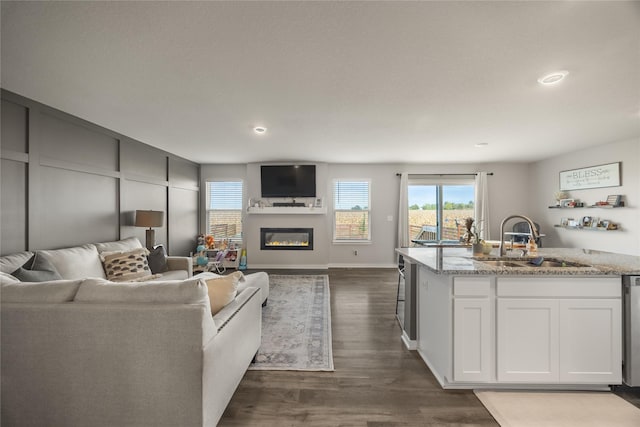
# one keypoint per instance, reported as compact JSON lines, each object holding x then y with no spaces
{"x":127,"y":266}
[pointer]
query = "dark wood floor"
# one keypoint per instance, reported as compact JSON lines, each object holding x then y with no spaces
{"x":376,"y":383}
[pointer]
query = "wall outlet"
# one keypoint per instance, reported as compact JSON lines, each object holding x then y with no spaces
{"x":390,"y":218}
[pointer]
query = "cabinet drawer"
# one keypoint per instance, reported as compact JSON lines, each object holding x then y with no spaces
{"x":562,"y":287}
{"x":471,"y":286}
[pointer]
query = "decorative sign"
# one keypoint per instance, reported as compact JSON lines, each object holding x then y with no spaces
{"x":591,"y":177}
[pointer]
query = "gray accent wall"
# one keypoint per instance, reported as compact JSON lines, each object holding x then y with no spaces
{"x":67,"y":182}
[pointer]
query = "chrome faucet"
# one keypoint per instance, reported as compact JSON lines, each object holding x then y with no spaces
{"x":534,"y":231}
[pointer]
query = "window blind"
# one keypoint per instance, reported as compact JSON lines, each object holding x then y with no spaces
{"x":351,"y":203}
{"x":224,"y":213}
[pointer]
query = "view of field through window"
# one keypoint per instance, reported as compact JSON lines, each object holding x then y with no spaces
{"x":457,"y":204}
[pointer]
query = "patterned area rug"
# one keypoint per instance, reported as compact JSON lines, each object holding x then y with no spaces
{"x":296,"y":325}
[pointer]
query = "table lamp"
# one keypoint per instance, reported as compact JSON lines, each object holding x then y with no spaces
{"x":150,"y":219}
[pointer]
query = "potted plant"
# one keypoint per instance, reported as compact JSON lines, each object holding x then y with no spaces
{"x":472,"y":236}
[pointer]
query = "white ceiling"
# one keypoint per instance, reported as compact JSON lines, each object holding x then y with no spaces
{"x":340,"y":82}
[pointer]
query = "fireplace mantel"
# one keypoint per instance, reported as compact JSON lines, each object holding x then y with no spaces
{"x":302,"y":210}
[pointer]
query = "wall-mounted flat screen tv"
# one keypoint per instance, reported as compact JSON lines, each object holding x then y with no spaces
{"x":288,"y":180}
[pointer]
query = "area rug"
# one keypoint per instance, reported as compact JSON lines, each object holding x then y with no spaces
{"x":559,"y":409}
{"x":296,"y":325}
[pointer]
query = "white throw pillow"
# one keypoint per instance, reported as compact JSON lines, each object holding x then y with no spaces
{"x":8,"y":278}
{"x":78,"y":262}
{"x":123,"y":245}
{"x":223,"y":290}
{"x":9,"y":263}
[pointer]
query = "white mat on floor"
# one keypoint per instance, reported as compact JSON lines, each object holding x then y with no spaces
{"x":559,"y":409}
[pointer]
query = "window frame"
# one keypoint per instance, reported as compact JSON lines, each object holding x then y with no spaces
{"x":238,"y":241}
{"x":335,"y":239}
{"x":439,"y":183}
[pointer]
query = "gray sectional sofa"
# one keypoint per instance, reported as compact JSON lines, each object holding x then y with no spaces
{"x":84,"y":351}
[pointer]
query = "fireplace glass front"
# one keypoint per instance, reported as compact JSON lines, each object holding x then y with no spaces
{"x":286,"y":239}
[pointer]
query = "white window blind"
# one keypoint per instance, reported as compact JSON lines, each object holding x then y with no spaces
{"x":351,"y":204}
{"x":224,"y":210}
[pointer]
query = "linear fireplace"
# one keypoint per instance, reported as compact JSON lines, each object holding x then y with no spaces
{"x":298,"y":239}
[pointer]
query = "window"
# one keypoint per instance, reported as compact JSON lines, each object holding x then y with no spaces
{"x":351,"y":205}
{"x":438,"y":208}
{"x":224,"y":210}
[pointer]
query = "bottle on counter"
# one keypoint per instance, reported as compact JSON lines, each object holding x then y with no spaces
{"x":531,"y":245}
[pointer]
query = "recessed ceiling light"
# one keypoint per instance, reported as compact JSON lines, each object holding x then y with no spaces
{"x":481,"y":144}
{"x":553,"y":78}
{"x":259,"y":130}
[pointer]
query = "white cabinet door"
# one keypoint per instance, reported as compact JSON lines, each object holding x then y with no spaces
{"x":590,"y":341}
{"x":527,"y":340}
{"x":471,"y":339}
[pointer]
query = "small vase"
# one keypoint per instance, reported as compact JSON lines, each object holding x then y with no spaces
{"x":477,"y":248}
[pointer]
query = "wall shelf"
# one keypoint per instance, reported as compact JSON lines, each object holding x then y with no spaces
{"x":586,"y":207}
{"x":585,"y":228}
{"x":287,"y":210}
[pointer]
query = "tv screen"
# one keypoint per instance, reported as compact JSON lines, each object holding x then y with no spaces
{"x":288,"y":180}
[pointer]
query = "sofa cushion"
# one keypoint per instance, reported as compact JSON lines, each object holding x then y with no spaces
{"x":78,"y":262}
{"x":9,"y":263}
{"x":192,"y":291}
{"x":37,"y":269}
{"x":260,"y":280}
{"x":222,"y":290}
{"x":7,"y":278}
{"x":123,"y":245}
{"x":158,"y":260}
{"x":56,"y":291}
{"x":126,"y":266}
{"x":174,"y":275}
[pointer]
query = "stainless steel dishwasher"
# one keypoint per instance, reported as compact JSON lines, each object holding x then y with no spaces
{"x":631,"y":367}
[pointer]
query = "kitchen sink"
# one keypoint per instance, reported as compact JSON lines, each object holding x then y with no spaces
{"x":546,"y":263}
{"x":558,"y":263}
{"x":501,"y":263}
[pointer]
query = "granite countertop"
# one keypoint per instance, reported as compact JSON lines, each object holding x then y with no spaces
{"x":449,"y":260}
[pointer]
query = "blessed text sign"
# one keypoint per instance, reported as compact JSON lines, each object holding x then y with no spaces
{"x":591,"y":177}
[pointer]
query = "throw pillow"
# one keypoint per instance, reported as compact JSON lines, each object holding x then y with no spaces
{"x":126,"y":266}
{"x":7,"y":278}
{"x":222,"y":290}
{"x":158,"y":260}
{"x":37,"y":269}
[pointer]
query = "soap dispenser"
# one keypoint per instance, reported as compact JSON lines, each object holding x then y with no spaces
{"x":531,"y":245}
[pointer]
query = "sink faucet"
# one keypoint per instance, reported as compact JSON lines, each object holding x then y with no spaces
{"x":534,"y":231}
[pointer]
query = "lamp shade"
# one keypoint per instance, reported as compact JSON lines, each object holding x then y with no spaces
{"x":149,"y":218}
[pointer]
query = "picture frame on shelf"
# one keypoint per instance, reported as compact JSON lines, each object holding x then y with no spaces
{"x":564,"y":221}
{"x":595,"y":222}
{"x":614,"y":200}
{"x":567,"y":203}
{"x":586,"y":221}
{"x":604,"y":224}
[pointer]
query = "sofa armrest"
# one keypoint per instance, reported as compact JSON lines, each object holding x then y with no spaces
{"x":180,"y":263}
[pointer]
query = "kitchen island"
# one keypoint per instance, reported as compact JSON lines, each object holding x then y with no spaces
{"x":489,"y":322}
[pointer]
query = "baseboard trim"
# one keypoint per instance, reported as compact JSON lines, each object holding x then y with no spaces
{"x":316,"y":267}
{"x":409,"y":343}
{"x":286,"y":267}
{"x":339,"y":265}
